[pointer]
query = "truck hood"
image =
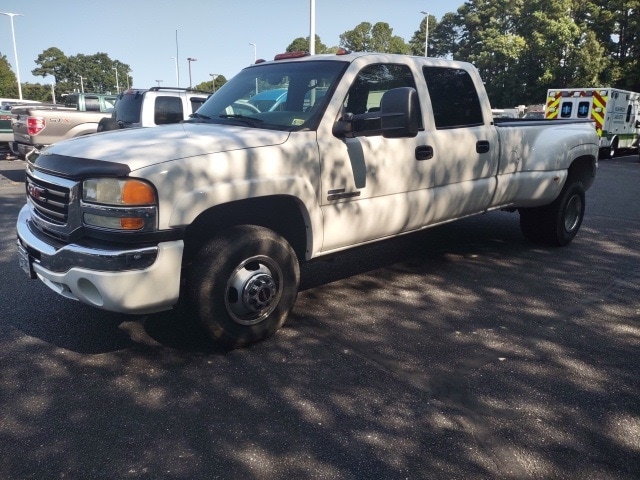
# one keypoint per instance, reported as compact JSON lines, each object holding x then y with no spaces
{"x":141,"y":147}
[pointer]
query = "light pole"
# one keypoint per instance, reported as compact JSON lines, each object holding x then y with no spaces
{"x":81,"y":84}
{"x":159,"y":82}
{"x":312,"y":27}
{"x":190,"y":60}
{"x":426,"y":37}
{"x":177,"y":73}
{"x":117,"y":81}
{"x":15,"y":50}
{"x":255,"y":59}
{"x":213,"y":81}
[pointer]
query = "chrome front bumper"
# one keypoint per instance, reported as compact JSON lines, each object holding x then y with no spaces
{"x":127,"y":280}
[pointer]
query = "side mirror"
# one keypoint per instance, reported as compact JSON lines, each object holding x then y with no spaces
{"x":398,"y":117}
{"x":400,"y":111}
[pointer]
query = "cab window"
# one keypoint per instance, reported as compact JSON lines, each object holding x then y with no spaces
{"x":168,"y":110}
{"x":454,"y":98}
{"x":196,"y":102}
{"x":368,"y":87}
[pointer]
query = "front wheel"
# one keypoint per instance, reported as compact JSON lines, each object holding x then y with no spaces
{"x":557,"y":223}
{"x":243,"y":285}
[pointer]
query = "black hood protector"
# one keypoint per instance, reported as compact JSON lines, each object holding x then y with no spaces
{"x":75,"y":168}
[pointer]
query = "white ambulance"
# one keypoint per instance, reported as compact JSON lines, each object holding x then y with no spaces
{"x":615,"y":112}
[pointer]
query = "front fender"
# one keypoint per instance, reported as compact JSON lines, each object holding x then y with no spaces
{"x":190,"y":204}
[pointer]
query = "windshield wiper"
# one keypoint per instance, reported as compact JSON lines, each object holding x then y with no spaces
{"x":243,"y":118}
{"x":199,"y":115}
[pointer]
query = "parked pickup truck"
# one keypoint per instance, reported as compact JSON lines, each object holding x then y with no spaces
{"x":6,"y":133}
{"x":35,"y":127}
{"x":221,"y":210}
{"x":152,"y":107}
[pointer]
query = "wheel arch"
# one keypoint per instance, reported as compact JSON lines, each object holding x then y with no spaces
{"x":79,"y":130}
{"x":584,"y":169}
{"x":283,"y":214}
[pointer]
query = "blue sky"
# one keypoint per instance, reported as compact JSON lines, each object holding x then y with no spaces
{"x":218,"y":33}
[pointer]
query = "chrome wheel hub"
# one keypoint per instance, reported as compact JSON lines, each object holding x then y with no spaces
{"x":572,"y":214}
{"x":253,"y":292}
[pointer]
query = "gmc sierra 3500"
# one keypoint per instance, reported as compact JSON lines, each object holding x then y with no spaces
{"x":223,"y":208}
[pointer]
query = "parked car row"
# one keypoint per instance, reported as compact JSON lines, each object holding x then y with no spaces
{"x":26,"y":126}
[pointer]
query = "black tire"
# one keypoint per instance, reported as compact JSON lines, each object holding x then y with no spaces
{"x":530,"y":224}
{"x":243,"y":285}
{"x":609,"y":152}
{"x":557,"y":223}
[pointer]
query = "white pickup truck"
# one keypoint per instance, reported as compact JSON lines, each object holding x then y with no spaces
{"x":223,"y":208}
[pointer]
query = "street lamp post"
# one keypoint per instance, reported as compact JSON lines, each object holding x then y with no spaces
{"x":175,"y":59}
{"x":117,"y":81}
{"x":213,"y":81}
{"x":15,"y":50}
{"x":426,"y":37}
{"x":255,"y":59}
{"x":191,"y":60}
{"x":312,"y":27}
{"x":159,"y":82}
{"x":81,"y":84}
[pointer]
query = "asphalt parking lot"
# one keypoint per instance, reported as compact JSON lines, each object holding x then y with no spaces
{"x":462,"y":352}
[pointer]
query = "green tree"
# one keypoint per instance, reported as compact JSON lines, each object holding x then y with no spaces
{"x":301,"y":44}
{"x":220,"y":80}
{"x":8,"y":79}
{"x":373,"y":38}
{"x":95,"y":72}
{"x":53,"y":62}
{"x":358,"y":39}
{"x":36,"y":91}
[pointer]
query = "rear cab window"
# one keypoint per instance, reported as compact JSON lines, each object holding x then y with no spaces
{"x":167,"y":110}
{"x":128,"y":107}
{"x":196,"y":102}
{"x":454,"y":98}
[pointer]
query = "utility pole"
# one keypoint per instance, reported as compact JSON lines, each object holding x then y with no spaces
{"x":15,"y":50}
{"x":191,"y":60}
{"x":117,"y":81}
{"x":426,"y":37}
{"x":213,"y":81}
{"x":255,"y":58}
{"x":312,"y":27}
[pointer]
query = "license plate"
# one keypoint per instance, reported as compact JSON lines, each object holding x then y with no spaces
{"x":25,"y":262}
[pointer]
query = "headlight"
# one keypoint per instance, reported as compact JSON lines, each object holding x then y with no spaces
{"x":114,"y":191}
{"x":119,"y":204}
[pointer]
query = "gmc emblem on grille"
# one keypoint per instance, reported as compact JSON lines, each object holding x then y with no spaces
{"x":37,"y":193}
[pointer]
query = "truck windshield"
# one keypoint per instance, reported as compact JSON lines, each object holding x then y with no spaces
{"x":281,"y":96}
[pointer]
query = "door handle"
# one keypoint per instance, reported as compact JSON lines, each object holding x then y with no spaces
{"x":483,"y":146}
{"x":424,"y":152}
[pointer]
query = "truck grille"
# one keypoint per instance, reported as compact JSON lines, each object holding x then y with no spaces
{"x":50,"y":201}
